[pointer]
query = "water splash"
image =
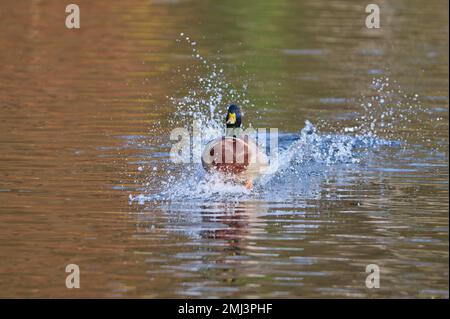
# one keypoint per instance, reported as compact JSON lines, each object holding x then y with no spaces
{"x":389,"y":112}
{"x":207,"y":95}
{"x":296,"y":152}
{"x":324,"y":146}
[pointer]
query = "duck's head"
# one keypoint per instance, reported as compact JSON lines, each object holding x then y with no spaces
{"x":233,"y":118}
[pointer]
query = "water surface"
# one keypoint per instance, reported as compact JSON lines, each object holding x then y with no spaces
{"x":86,"y":177}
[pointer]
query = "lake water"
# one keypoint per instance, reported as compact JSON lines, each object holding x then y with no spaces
{"x":85,"y":170}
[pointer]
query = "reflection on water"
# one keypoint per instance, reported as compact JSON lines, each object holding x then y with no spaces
{"x":85,"y":174}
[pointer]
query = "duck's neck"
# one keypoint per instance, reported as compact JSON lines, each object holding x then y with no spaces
{"x":233,"y":131}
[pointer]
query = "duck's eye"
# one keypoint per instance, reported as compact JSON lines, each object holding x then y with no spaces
{"x":231,"y":118}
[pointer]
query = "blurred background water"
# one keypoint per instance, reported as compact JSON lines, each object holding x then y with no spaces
{"x":86,"y":178}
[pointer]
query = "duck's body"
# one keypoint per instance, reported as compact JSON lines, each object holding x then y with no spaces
{"x":238,"y":158}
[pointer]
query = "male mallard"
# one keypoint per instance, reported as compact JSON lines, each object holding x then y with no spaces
{"x":236,"y":155}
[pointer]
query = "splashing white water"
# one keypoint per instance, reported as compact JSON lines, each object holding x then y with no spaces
{"x":307,"y":148}
{"x":209,"y":93}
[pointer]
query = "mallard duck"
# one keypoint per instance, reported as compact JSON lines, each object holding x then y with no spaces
{"x":235,"y":154}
